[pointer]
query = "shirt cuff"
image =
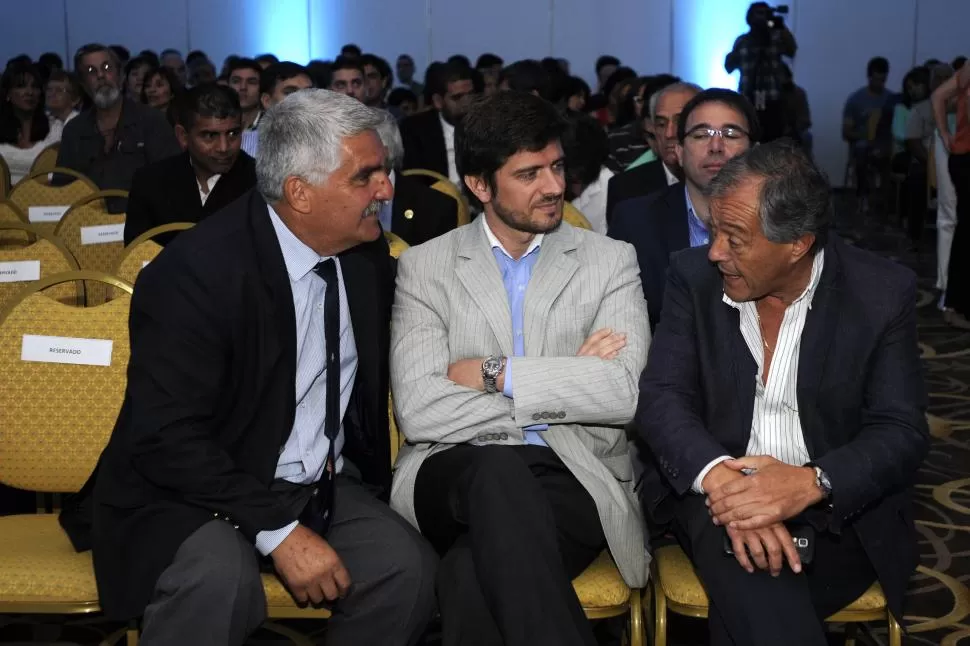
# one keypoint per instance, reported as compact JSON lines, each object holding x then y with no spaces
{"x":699,"y":480}
{"x":269,"y":540}
{"x":507,"y":388}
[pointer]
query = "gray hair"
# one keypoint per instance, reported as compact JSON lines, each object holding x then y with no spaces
{"x":795,"y":197}
{"x":390,"y":136}
{"x":674,"y":87}
{"x":303,"y":136}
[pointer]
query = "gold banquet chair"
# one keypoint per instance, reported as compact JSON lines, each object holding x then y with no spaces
{"x":575,"y":217}
{"x":677,"y":588}
{"x":143,"y":250}
{"x":42,"y":254}
{"x":4,"y":178}
{"x":84,"y":229}
{"x":46,"y":160}
{"x":442,"y":184}
{"x":56,"y":419}
{"x":35,"y":191}
{"x":9,"y":213}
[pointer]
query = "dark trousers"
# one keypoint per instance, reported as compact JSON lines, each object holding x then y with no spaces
{"x":758,"y":609}
{"x":958,"y":279}
{"x":514,"y":527}
{"x":212,"y":592}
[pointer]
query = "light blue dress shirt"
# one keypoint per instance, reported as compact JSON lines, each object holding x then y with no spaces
{"x":249,"y":139}
{"x":304,"y":455}
{"x":699,"y":235}
{"x":515,"y":278}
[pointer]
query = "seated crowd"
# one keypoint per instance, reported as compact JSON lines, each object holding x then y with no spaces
{"x":535,"y":366}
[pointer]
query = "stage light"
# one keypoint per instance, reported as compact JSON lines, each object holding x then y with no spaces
{"x":704,"y":33}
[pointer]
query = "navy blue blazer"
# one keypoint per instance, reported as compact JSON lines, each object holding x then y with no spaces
{"x":861,"y":397}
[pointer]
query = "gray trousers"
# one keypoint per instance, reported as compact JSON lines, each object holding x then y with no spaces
{"x":212,"y":592}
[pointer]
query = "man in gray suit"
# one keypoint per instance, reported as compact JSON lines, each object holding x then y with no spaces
{"x":518,"y":487}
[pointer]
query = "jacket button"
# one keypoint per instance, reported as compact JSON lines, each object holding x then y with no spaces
{"x":504,"y":436}
{"x":536,"y":416}
{"x":562,"y":414}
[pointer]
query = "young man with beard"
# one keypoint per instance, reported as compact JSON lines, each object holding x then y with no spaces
{"x":116,"y":136}
{"x":429,"y":137}
{"x":210,"y":174}
{"x":518,"y":486}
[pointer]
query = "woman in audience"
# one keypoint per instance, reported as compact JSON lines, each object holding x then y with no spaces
{"x":135,"y":72}
{"x":586,"y":148}
{"x":24,"y":128}
{"x":628,"y":140}
{"x":160,"y":90}
{"x":575,"y":94}
{"x":912,"y":195}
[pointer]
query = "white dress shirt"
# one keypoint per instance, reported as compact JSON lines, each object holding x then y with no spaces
{"x":304,"y":454}
{"x":671,"y":178}
{"x":776,"y":429}
{"x":592,"y":201}
{"x":205,"y":191}
{"x":449,"y":132}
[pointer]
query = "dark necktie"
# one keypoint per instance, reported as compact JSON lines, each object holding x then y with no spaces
{"x":319,"y":510}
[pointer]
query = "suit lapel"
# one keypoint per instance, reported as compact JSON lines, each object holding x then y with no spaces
{"x":677,"y":230}
{"x":553,"y":271}
{"x":481,"y":278}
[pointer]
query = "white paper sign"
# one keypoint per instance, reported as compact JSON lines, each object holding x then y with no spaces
{"x":19,"y":270}
{"x":103,"y":233}
{"x":63,"y":349}
{"x":46,"y":213}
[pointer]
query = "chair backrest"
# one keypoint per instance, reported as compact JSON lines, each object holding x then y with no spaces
{"x":396,"y":243}
{"x":575,"y":217}
{"x":64,"y":368}
{"x":94,"y":236}
{"x":424,"y":172}
{"x":4,"y":178}
{"x":44,"y":203}
{"x":46,"y":161}
{"x":142,"y":251}
{"x":454,"y":192}
{"x":398,"y":246}
{"x":43,"y":257}
{"x":9,"y":213}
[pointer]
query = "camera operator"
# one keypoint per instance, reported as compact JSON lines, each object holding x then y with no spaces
{"x":758,"y":55}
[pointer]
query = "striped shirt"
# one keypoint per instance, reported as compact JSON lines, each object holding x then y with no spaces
{"x":776,"y":428}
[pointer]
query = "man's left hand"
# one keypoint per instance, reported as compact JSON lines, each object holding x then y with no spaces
{"x":468,"y":373}
{"x":774,"y":493}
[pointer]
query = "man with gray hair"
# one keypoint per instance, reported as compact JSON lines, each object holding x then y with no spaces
{"x":254,"y":429}
{"x":783,"y":399}
{"x":417,"y":213}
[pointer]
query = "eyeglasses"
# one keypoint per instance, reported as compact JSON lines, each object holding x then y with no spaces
{"x":703,"y":134}
{"x":105,"y":67}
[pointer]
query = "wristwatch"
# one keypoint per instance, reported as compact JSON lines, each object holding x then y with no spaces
{"x":822,"y":481}
{"x":492,"y":367}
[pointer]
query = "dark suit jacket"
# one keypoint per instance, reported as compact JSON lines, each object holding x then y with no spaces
{"x":211,"y":396}
{"x":656,"y":226}
{"x":168,"y":191}
{"x":424,"y":142}
{"x":636,"y":182}
{"x":432,"y":212}
{"x":861,"y":397}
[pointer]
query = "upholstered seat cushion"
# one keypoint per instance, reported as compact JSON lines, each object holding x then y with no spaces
{"x":39,"y":566}
{"x":681,"y":585}
{"x":600,"y":585}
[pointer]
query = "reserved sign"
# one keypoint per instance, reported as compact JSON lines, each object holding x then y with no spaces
{"x":103,"y":233}
{"x":46,"y":213}
{"x":63,"y":349}
{"x":16,"y":271}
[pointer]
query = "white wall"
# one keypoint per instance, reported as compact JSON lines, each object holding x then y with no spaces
{"x":688,"y":37}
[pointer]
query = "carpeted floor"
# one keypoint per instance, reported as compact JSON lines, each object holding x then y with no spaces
{"x":939,"y":602}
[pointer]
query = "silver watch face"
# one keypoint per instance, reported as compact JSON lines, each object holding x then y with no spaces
{"x":492,"y":366}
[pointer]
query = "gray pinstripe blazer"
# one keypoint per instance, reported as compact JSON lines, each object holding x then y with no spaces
{"x":451,"y":305}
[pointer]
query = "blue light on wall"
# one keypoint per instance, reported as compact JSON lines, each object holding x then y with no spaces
{"x":280,"y":27}
{"x":704,"y":33}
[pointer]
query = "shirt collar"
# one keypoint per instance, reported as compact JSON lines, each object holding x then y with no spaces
{"x":256,"y":121}
{"x":818,"y":264}
{"x":446,"y":127}
{"x":298,"y":257}
{"x":690,"y":209}
{"x":494,"y":243}
{"x":671,"y":178}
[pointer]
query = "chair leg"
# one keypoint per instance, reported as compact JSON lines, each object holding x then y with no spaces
{"x":660,"y":615}
{"x":637,"y":634}
{"x":131,"y":636}
{"x":850,"y":634}
{"x":895,"y":631}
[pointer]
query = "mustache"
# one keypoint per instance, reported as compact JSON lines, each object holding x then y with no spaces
{"x":374,"y":208}
{"x":549,"y":201}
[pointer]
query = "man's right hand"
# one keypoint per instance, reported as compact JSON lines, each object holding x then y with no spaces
{"x":768,"y":547}
{"x":719,"y":476}
{"x":310,"y":568}
{"x":605,"y":344}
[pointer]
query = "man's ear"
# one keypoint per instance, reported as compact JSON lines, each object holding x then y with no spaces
{"x":182,"y":135}
{"x":802,"y":246}
{"x":438,"y":101}
{"x":264,"y":100}
{"x":296,"y":195}
{"x":479,"y":188}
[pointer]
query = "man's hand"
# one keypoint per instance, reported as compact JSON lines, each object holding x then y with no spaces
{"x":468,"y":373}
{"x":310,"y":568}
{"x":718,"y":476}
{"x":604,"y":343}
{"x":769,"y":547}
{"x":774,"y":493}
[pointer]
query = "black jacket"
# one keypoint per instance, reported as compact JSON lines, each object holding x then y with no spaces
{"x":420,"y":213}
{"x":636,"y":182}
{"x":424,"y":142}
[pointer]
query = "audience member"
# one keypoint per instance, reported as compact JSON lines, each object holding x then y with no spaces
{"x":377,"y":80}
{"x":758,"y":55}
{"x":829,"y":459}
{"x":459,"y":59}
{"x":347,"y":77}
{"x":629,"y":141}
{"x":195,"y":55}
{"x":490,"y":67}
{"x":416,"y":213}
{"x":172,"y":59}
{"x":320,"y":72}
{"x":122,"y":53}
{"x":519,"y":487}
{"x":665,"y":108}
{"x":227,"y":64}
{"x":210,"y":174}
{"x":575,"y":94}
{"x":350,"y":51}
{"x":255,"y":418}
{"x":615,"y":90}
{"x":160,"y":90}
{"x":798,"y":114}
{"x":24,"y":127}
{"x":116,"y":136}
{"x":405,"y":74}
{"x":429,"y":137}
{"x":867,"y":126}
{"x":48,"y":63}
{"x":244,"y":75}
{"x":63,"y":98}
{"x":586,"y":149}
{"x":527,"y":76}
{"x":957,"y":142}
{"x":912,"y":191}
{"x":605,"y":66}
{"x":148,"y":54}
{"x":654,"y":84}
{"x":135,"y":72}
{"x":265,"y":60}
{"x":958,"y":62}
{"x":715,"y":126}
{"x":276,"y":82}
{"x":201,"y":70}
{"x":403,"y":102}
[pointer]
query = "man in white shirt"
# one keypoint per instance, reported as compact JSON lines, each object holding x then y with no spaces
{"x":784,"y":396}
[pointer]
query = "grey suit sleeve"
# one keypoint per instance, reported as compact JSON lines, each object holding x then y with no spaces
{"x":429,"y":406}
{"x":590,"y":390}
